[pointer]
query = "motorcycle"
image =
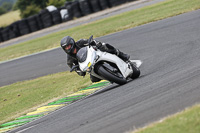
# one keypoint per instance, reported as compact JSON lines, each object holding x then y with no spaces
{"x":106,"y":66}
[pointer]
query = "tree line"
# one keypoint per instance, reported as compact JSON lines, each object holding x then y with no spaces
{"x":6,"y":6}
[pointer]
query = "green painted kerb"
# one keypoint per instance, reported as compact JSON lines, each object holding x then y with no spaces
{"x":28,"y":116}
{"x":67,"y":99}
{"x":101,"y":84}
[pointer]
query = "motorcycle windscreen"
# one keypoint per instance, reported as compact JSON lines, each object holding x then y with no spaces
{"x":82,"y":54}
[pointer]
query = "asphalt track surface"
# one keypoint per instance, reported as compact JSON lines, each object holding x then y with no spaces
{"x":169,"y":81}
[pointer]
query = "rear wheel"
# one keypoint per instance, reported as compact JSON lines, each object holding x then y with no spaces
{"x":111,"y":76}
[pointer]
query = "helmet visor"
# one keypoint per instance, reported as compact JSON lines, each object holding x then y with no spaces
{"x":70,"y":46}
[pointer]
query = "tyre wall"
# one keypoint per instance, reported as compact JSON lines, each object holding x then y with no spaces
{"x":1,"y":39}
{"x":33,"y":24}
{"x":23,"y":27}
{"x":46,"y":17}
{"x":85,"y":7}
{"x":95,"y":5}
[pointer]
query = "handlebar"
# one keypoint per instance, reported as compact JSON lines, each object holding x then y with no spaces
{"x":74,"y":67}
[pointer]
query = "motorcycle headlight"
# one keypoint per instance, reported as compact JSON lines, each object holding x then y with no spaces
{"x":82,"y":54}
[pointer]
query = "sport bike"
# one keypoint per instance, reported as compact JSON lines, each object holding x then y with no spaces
{"x":103,"y":65}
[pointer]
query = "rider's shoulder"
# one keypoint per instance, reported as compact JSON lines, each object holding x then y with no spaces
{"x":82,"y":41}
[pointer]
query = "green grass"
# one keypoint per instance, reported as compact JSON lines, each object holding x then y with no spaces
{"x":103,"y":27}
{"x":8,"y":18}
{"x":19,"y":98}
{"x":187,"y":121}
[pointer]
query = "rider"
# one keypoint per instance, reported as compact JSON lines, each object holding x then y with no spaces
{"x":71,"y":48}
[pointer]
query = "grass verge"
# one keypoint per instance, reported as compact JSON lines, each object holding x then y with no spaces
{"x":103,"y":27}
{"x":10,"y":17}
{"x":19,"y":98}
{"x":187,"y":121}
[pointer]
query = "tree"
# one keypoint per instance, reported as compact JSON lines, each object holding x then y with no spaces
{"x":56,"y":3}
{"x":2,"y":11}
{"x":24,"y":5}
{"x":14,"y":8}
{"x":7,"y":6}
{"x":9,"y":1}
{"x":30,"y":10}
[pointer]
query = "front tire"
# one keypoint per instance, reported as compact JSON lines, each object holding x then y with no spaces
{"x":109,"y":76}
{"x":94,"y":79}
{"x":136,"y":72}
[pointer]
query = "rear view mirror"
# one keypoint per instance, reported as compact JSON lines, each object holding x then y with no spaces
{"x":90,"y":39}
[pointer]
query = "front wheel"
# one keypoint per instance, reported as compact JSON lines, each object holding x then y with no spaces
{"x":136,"y":71}
{"x":110,"y":75}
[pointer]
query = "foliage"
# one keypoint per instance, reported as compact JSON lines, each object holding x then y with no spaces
{"x":14,"y":7}
{"x":5,"y":7}
{"x":30,"y":10}
{"x":56,"y":3}
{"x":2,"y":10}
{"x":9,"y":1}
{"x":24,"y":5}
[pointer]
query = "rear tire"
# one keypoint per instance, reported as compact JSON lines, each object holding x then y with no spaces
{"x":109,"y":76}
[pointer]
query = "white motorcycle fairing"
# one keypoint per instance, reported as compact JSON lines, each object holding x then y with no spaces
{"x":94,"y":56}
{"x":124,"y":67}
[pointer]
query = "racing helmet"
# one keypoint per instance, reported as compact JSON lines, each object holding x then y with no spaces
{"x":68,"y":44}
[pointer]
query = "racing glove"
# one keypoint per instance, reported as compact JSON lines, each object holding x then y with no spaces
{"x":79,"y":72}
{"x":96,"y":44}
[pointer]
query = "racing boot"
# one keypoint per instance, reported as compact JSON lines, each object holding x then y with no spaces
{"x":123,"y":56}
